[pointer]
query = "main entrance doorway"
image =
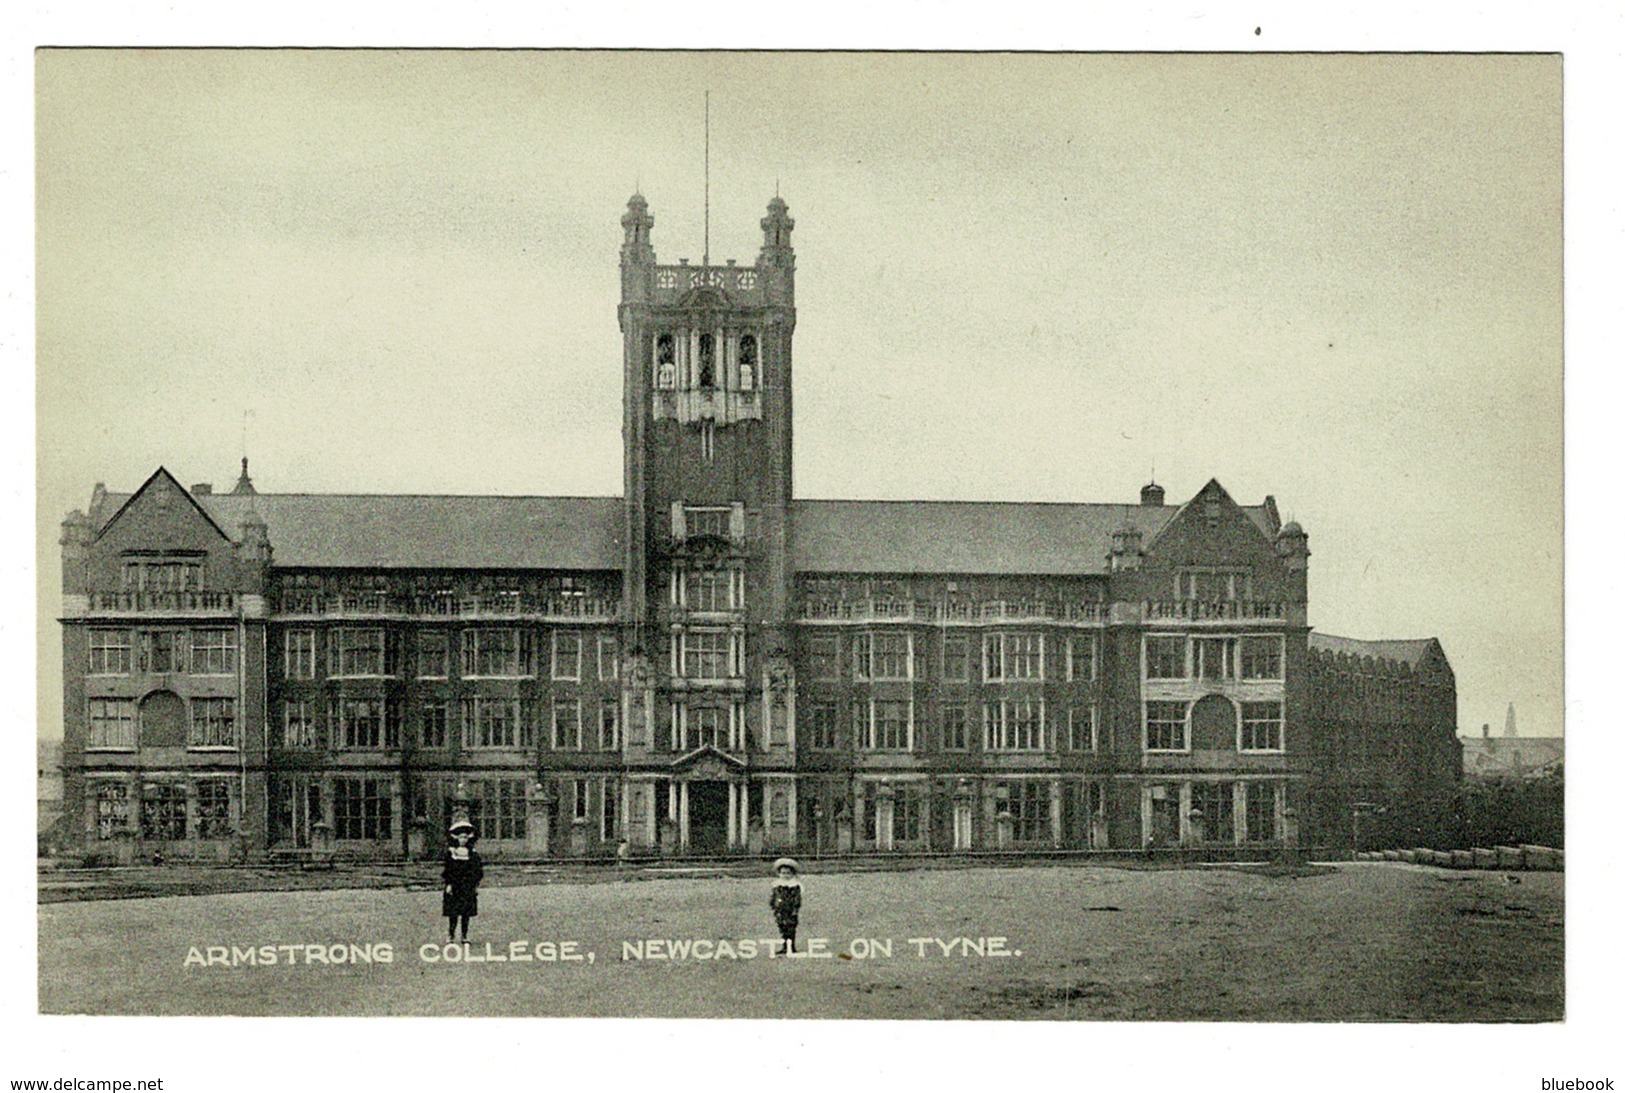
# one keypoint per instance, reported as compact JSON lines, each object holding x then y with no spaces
{"x":708,"y":817}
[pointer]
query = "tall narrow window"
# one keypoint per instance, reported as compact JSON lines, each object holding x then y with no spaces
{"x":1260,"y":726}
{"x":747,"y":362}
{"x":112,"y":809}
{"x":298,"y":724}
{"x":820,"y":724}
{"x":299,"y":654}
{"x":1080,"y":663}
{"x":213,"y":808}
{"x":566,"y":724}
{"x":433,"y":647}
{"x":708,"y":360}
{"x":665,"y":362}
{"x":566,"y":655}
{"x":160,"y":652}
{"x":435,"y":715}
{"x":823,"y":663}
{"x":612,"y":801}
{"x":707,"y":725}
{"x":1261,"y":657}
{"x":214,"y":723}
{"x":1080,"y":728}
{"x":1164,"y":657}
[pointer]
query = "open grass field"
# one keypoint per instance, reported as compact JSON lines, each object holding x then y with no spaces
{"x":1358,"y":942}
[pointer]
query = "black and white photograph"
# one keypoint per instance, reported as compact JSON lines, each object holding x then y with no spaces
{"x":762,"y":536}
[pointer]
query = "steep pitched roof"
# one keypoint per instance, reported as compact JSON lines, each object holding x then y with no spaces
{"x":967,"y":537}
{"x":106,"y":508}
{"x":412,"y":531}
{"x":1408,"y":651}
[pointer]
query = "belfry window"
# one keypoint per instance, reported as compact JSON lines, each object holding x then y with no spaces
{"x":747,"y":362}
{"x":665,"y":362}
{"x":708,"y":360}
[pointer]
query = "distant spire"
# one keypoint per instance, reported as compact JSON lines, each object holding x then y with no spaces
{"x":245,"y":484}
{"x":1512,"y":722}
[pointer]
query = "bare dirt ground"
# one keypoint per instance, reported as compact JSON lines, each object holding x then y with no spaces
{"x":1359,"y":942}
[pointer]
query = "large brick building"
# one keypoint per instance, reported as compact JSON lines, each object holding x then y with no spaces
{"x":708,"y":664}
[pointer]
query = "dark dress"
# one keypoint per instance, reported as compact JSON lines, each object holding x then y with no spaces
{"x":786,"y":904}
{"x":464,"y":876}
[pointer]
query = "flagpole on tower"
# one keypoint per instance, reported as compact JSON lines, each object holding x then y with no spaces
{"x":706,"y":260}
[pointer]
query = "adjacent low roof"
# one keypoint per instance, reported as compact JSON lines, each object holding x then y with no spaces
{"x":1409,"y":651}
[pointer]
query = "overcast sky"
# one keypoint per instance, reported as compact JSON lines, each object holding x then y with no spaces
{"x":1333,"y":279}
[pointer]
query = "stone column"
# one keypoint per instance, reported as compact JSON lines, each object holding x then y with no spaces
{"x":964,"y":815}
{"x":682,"y":816}
{"x":733,"y":814}
{"x":885,"y":814}
{"x":1055,"y":812}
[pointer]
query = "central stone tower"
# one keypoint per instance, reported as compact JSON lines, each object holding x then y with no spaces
{"x":707,"y":432}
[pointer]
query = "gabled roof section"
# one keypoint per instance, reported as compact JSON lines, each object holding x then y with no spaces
{"x":416,"y":531}
{"x":1262,"y":516}
{"x":1408,"y":651}
{"x":161,"y":475}
{"x":965,"y":537}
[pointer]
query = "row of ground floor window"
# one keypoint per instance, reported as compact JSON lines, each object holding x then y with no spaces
{"x":390,"y":814}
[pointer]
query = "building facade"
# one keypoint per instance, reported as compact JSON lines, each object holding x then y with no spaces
{"x":705,"y":664}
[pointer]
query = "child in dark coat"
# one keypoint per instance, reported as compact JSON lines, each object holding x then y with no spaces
{"x":461,"y":871}
{"x":786,"y":901}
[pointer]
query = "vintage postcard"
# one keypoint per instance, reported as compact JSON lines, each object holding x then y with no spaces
{"x":816,"y":535}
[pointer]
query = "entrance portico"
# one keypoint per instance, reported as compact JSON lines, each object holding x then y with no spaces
{"x":710,"y":801}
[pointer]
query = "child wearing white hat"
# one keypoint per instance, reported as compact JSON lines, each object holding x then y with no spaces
{"x":786,"y":901}
{"x":461,"y":871}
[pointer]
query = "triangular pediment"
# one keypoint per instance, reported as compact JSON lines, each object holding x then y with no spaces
{"x":170,"y":503}
{"x":709,"y":762}
{"x":705,"y":296}
{"x":1211,"y":507}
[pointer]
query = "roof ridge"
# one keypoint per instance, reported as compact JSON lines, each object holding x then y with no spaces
{"x":444,"y":496}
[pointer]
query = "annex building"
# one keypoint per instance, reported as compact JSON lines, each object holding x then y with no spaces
{"x":708,"y":664}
